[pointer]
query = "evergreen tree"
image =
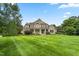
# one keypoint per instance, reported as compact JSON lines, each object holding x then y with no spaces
{"x":10,"y":19}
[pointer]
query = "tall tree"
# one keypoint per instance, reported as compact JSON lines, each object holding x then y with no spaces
{"x":17,"y":17}
{"x":10,"y":19}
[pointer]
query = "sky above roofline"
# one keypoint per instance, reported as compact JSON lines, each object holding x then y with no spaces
{"x":51,"y":13}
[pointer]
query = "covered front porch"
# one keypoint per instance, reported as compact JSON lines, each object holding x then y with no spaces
{"x":39,"y":31}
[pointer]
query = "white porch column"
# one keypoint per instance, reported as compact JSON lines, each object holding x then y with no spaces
{"x":40,"y":31}
{"x":34,"y":31}
{"x":22,"y":32}
{"x":45,"y":31}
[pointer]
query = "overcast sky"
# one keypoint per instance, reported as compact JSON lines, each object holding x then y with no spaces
{"x":51,"y":13}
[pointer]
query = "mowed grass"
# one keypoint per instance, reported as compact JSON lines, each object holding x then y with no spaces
{"x":39,"y":45}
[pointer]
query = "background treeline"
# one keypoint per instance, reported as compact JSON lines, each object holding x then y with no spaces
{"x":70,"y":26}
{"x":10,"y":19}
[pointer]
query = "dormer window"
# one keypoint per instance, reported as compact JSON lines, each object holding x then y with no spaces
{"x":27,"y":26}
{"x":37,"y":23}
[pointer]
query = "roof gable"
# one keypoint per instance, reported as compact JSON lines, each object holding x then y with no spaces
{"x":39,"y":21}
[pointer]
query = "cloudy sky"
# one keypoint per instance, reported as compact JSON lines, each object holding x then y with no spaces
{"x":51,"y":13}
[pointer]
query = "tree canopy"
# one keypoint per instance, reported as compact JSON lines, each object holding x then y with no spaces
{"x":10,"y":19}
{"x":71,"y":25}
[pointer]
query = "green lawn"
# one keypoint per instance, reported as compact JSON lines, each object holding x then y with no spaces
{"x":40,"y":45}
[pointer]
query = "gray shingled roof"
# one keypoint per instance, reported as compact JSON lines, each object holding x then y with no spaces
{"x":39,"y":21}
